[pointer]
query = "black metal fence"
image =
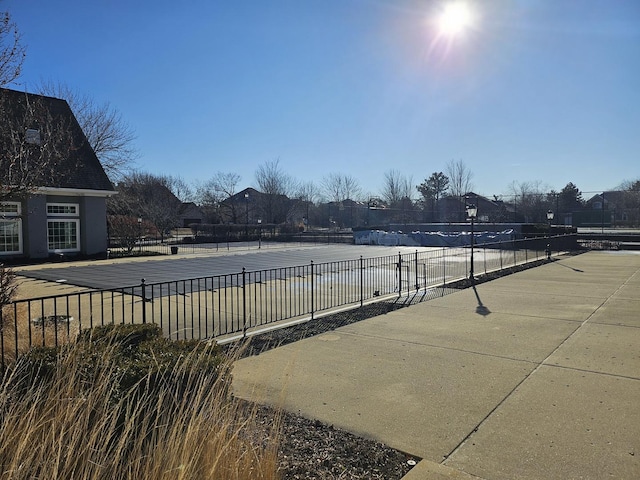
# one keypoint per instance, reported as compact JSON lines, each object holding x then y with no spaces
{"x":253,"y":240}
{"x":233,"y":304}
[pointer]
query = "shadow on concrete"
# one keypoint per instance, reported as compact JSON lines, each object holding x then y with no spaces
{"x":567,"y":266}
{"x":481,"y":309}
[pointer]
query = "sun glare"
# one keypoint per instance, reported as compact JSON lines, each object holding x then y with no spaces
{"x":454,"y":19}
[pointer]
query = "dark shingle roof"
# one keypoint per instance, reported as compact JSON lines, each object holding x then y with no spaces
{"x":81,"y":165}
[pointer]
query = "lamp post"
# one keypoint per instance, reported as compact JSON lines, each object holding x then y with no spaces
{"x":139,"y":235}
{"x":259,"y":233}
{"x":472,"y":212}
{"x":549,"y":219}
{"x":246,"y":226}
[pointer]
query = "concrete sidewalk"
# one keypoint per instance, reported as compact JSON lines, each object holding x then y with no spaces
{"x":532,"y":376}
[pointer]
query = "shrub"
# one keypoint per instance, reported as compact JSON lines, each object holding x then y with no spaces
{"x":123,"y":402}
{"x":7,"y":285}
{"x":135,"y":352}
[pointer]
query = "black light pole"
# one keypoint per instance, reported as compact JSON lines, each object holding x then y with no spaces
{"x":139,"y":235}
{"x":259,"y":233}
{"x":246,"y":227}
{"x":549,"y":219}
{"x":472,"y":212}
{"x":602,"y":215}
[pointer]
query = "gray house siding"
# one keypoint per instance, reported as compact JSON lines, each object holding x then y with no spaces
{"x":93,"y":211}
{"x":35,"y":227}
{"x":91,"y":220}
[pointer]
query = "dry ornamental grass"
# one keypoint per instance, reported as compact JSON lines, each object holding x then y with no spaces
{"x":76,"y":423}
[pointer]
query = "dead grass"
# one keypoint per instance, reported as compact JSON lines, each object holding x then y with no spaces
{"x":19,"y":334}
{"x":66,"y":427}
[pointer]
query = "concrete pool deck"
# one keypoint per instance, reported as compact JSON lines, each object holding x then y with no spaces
{"x":533,"y":375}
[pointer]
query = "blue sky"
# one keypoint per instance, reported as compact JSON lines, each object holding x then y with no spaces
{"x":532,"y":90}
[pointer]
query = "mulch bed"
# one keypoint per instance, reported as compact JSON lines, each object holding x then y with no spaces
{"x":310,"y":449}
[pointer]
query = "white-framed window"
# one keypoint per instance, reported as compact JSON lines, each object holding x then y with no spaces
{"x":10,"y":209}
{"x":10,"y":228}
{"x":63,"y":232}
{"x":63,"y":235}
{"x":62,"y":209}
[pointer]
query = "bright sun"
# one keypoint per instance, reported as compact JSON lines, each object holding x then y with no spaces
{"x":454,"y":19}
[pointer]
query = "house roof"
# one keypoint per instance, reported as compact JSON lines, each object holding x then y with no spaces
{"x":483,"y":204}
{"x":79,"y":166}
{"x":610,"y":197}
{"x":190,"y":209}
{"x":240,"y":196}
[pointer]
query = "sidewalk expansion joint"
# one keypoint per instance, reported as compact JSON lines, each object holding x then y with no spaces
{"x":430,"y":345}
{"x":537,"y":368}
{"x":595,"y":372}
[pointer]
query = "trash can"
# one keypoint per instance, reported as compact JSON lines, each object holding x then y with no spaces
{"x":174,"y":250}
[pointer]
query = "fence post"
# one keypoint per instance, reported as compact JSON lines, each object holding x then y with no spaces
{"x":484,"y":255}
{"x":244,"y":302}
{"x":416,"y":265}
{"x":361,"y":282}
{"x":399,"y":274}
{"x":466,"y":261}
{"x":444,"y":268}
{"x":144,"y":301}
{"x":313,"y":288}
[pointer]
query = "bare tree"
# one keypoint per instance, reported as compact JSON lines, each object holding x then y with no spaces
{"x":39,"y":142}
{"x":8,"y":286}
{"x":180,"y":188}
{"x":111,"y":138}
{"x":307,"y":196}
{"x":629,"y":185}
{"x":148,"y":197}
{"x":276,"y":187}
{"x":211,"y":196}
{"x":396,"y":188}
{"x":126,"y":230}
{"x":339,"y":187}
{"x":12,"y":52}
{"x":459,"y":178}
{"x":530,"y":200}
{"x":308,"y":192}
{"x":397,"y":192}
{"x":218,"y":188}
{"x":272,"y":180}
{"x":631,"y":201}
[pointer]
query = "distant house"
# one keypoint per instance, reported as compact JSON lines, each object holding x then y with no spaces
{"x":250,"y":206}
{"x":147,"y":197}
{"x":453,"y":209}
{"x":244,"y":207}
{"x":189,"y":214}
{"x":53,"y":187}
{"x":612,"y":208}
